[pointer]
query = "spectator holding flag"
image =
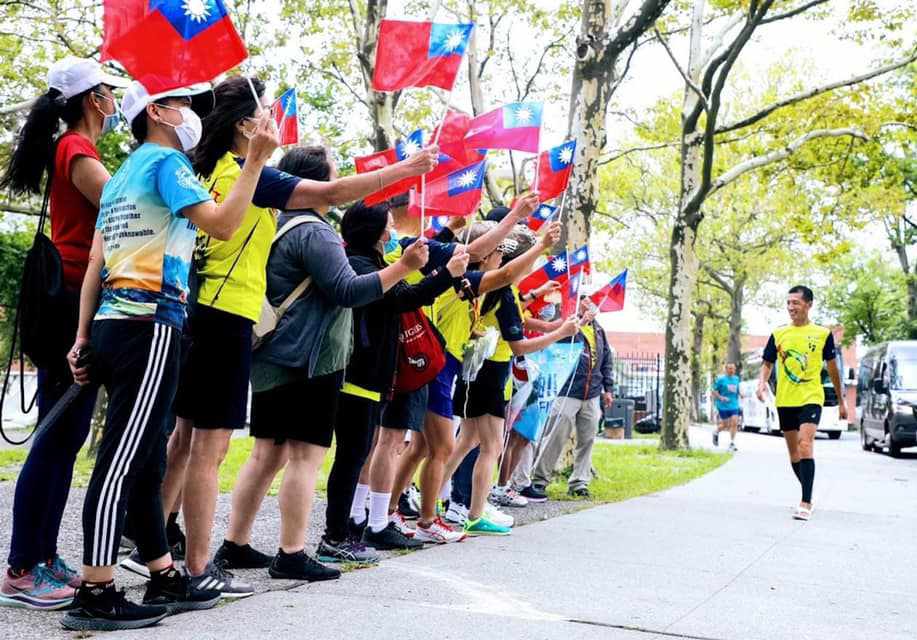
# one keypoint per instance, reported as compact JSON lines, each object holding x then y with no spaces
{"x":132,"y":307}
{"x":578,"y":406}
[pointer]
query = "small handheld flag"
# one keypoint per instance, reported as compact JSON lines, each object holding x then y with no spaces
{"x":284,"y":110}
{"x":554,"y":168}
{"x":402,"y":150}
{"x":457,"y":194}
{"x":579,"y":260}
{"x":419,"y":54}
{"x":555,"y":269}
{"x":452,"y":138}
{"x":540,"y":216}
{"x":611,"y":296}
{"x":166,"y":44}
{"x":516,"y":125}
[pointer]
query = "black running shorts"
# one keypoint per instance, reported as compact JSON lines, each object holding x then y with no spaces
{"x":791,"y":418}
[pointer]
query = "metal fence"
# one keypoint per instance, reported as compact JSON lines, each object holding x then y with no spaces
{"x":638,"y":376}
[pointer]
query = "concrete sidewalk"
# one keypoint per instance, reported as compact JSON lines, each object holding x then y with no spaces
{"x":718,"y":558}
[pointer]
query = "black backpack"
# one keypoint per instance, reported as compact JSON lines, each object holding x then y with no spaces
{"x":47,"y":314}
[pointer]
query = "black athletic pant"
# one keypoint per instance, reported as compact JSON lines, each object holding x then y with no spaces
{"x":137,"y":362}
{"x":353,"y":435}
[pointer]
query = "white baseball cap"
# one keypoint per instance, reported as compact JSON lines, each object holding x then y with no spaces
{"x":72,"y":76}
{"x":136,"y":98}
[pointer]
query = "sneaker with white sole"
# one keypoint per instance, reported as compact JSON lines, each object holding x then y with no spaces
{"x":400,"y":523}
{"x":218,"y":578}
{"x":134,"y":564}
{"x":498,"y":517}
{"x":456,"y":513}
{"x":485,"y":527}
{"x":414,"y":498}
{"x":507,"y":497}
{"x":438,"y":532}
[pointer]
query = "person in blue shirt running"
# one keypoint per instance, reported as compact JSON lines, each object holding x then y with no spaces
{"x":726,"y":393}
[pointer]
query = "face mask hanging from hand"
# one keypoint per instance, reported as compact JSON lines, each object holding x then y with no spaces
{"x":190,"y":130}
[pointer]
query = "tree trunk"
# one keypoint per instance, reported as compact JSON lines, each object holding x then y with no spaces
{"x":381,"y":103}
{"x":736,"y":302}
{"x":696,"y":361}
{"x":593,"y":74}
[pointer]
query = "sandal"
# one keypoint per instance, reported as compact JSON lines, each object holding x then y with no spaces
{"x":802,"y":513}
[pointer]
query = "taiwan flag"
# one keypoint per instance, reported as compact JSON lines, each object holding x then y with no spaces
{"x":579,"y":260}
{"x":569,"y":291}
{"x":419,"y":54}
{"x":516,"y":125}
{"x":540,"y":216}
{"x":437,"y":224}
{"x":554,"y":168}
{"x":166,"y":44}
{"x":402,"y":150}
{"x":284,"y":111}
{"x":611,"y":296}
{"x":452,"y":139}
{"x":554,"y":269}
{"x":457,"y":194}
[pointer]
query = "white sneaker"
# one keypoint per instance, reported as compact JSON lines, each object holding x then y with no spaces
{"x":438,"y":532}
{"x":456,"y":514}
{"x":401,"y":523}
{"x":414,"y":497}
{"x":507,"y":497}
{"x":498,"y":517}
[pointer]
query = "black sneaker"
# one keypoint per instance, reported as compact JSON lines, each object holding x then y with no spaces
{"x":300,"y":566}
{"x":240,"y":556}
{"x":176,"y":593}
{"x":534,"y":494}
{"x":356,"y":530}
{"x":225,"y":582}
{"x":390,"y":538}
{"x":104,"y":609}
{"x":350,"y":550}
{"x":176,"y":539}
{"x":406,"y":509}
{"x":580,"y":492}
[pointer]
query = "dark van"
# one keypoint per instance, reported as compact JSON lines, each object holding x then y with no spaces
{"x":887,"y":397}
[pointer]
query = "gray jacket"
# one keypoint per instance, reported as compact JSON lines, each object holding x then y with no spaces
{"x":310,"y":249}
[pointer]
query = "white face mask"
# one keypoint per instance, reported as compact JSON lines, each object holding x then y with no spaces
{"x":190,"y":130}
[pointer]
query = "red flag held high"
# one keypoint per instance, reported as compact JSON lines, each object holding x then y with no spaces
{"x":554,"y":269}
{"x":554,"y":168}
{"x":611,"y":296}
{"x":166,"y":44}
{"x":516,"y":125}
{"x":419,"y":54}
{"x":457,"y":194}
{"x":285,"y":116}
{"x":388,"y":157}
{"x":452,"y":140}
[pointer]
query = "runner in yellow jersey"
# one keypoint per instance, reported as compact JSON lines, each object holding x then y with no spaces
{"x":799,"y":349}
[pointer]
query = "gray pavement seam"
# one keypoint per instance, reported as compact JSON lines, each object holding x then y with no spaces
{"x":656,"y":632}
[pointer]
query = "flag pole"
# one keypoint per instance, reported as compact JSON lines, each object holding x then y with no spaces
{"x":254,"y":93}
{"x":423,"y":178}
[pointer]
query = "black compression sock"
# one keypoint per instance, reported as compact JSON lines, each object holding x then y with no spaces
{"x":173,"y":519}
{"x":795,"y":466}
{"x":807,"y":477}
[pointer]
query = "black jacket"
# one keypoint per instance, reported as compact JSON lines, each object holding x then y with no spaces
{"x":589,"y":379}
{"x":376,"y":326}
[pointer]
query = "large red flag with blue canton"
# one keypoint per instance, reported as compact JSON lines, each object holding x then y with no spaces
{"x":554,"y":168}
{"x":611,"y":296}
{"x":452,"y":139}
{"x":555,"y":269}
{"x":166,"y":44}
{"x":457,"y":194}
{"x":402,"y":150}
{"x":516,"y":125}
{"x":285,"y":116}
{"x":419,"y":54}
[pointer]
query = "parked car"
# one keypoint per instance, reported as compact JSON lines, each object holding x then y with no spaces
{"x":887,"y":397}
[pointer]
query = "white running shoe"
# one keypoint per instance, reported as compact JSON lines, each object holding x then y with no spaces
{"x":400,"y":523}
{"x":438,"y":532}
{"x":498,"y":517}
{"x":414,"y":497}
{"x":456,"y":513}
{"x":507,"y":497}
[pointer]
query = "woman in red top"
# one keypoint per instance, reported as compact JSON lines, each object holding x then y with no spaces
{"x":80,"y":94}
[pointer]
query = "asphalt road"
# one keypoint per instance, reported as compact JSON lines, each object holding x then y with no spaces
{"x":715,"y":559}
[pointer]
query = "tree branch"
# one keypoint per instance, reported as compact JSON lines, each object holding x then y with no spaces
{"x":779,"y":154}
{"x":811,"y":93}
{"x":688,"y":81}
{"x":793,"y":12}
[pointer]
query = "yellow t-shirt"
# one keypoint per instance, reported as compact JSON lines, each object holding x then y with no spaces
{"x":798,"y":354}
{"x":243,"y":291}
{"x":506,"y":318}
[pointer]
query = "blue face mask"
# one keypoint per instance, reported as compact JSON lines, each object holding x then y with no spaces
{"x":392,"y":243}
{"x":110,"y":121}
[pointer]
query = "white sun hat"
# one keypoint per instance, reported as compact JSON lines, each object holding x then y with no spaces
{"x":136,"y":98}
{"x":72,"y":76}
